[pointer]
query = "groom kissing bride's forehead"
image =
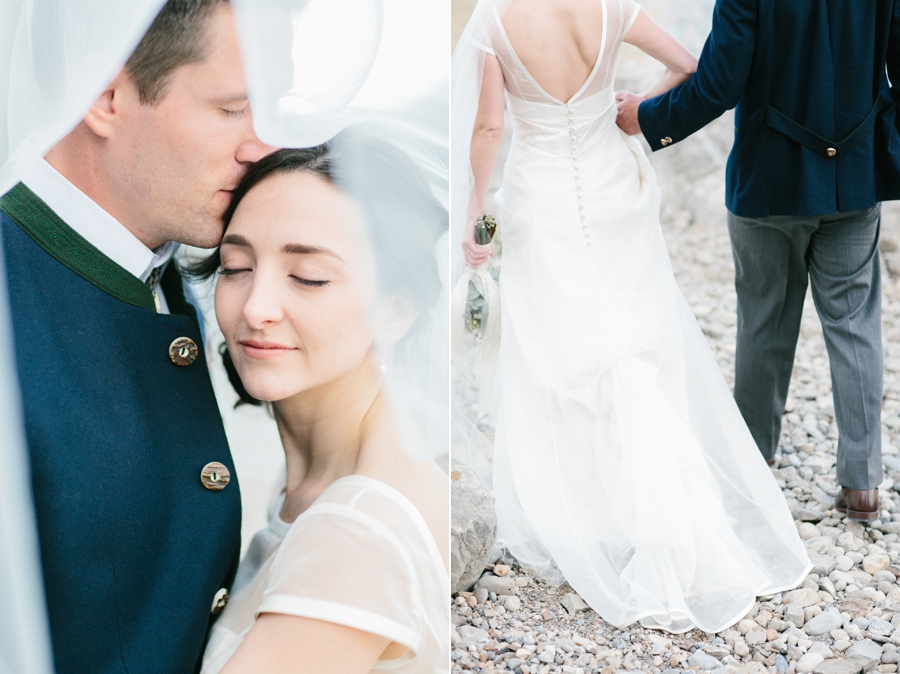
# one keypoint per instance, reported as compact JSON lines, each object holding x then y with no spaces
{"x":137,"y":505}
{"x":172,"y":134}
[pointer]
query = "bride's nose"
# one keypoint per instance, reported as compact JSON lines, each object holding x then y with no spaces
{"x":263,"y":306}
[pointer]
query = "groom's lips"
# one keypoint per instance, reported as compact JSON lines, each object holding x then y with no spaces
{"x":257,"y":349}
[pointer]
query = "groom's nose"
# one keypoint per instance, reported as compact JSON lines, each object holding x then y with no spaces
{"x":252,"y":150}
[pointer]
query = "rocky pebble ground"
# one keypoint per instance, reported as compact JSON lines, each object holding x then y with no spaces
{"x":845,"y":617}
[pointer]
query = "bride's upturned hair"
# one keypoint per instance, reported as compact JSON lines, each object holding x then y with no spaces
{"x":404,"y":219}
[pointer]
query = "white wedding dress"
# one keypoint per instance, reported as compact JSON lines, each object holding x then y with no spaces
{"x":361,"y":556}
{"x":621,"y":463}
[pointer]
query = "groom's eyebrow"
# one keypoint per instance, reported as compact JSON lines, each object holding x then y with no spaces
{"x":231,"y":98}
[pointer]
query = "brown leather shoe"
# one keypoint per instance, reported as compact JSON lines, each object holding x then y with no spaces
{"x":859,"y":504}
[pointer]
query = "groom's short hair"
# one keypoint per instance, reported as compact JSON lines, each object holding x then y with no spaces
{"x":176,"y":37}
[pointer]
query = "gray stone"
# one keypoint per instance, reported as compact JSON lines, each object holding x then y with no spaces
{"x":473,"y":527}
{"x":512,"y":603}
{"x":481,"y":595}
{"x":781,"y":664}
{"x":803,"y":597}
{"x":573,"y":603}
{"x":496,"y":584}
{"x":880,"y":630}
{"x":822,"y":564}
{"x":809,"y":662}
{"x":793,"y":613}
{"x":823,"y":624}
{"x":473,"y":634}
{"x":703,"y":661}
{"x":838,"y":667}
{"x":755,"y":637}
{"x":865,"y":652}
{"x":866,"y":649}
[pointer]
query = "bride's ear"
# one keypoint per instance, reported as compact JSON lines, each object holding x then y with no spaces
{"x":396,"y":316}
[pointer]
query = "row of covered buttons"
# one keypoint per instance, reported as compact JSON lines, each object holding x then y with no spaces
{"x":573,"y":148}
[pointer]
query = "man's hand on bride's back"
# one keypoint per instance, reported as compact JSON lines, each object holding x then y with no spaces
{"x":627,"y":105}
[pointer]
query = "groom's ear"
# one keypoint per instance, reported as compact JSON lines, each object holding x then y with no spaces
{"x":102,"y":116}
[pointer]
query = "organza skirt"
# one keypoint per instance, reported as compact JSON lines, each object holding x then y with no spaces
{"x":621,"y":462}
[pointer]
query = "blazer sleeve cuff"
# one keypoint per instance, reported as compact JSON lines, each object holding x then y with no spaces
{"x":655,"y":138}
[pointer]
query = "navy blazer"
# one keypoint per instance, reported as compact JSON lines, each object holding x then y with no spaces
{"x":815,"y":120}
{"x":134,"y":548}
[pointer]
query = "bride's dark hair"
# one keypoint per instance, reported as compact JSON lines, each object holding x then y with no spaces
{"x":404,"y":218}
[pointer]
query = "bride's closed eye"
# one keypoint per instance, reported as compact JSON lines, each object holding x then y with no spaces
{"x":232,"y":271}
{"x":310,"y":282}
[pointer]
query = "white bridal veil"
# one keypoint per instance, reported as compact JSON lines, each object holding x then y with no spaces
{"x":474,"y":357}
{"x":314,"y":67}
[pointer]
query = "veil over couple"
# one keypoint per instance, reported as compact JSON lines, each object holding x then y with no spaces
{"x":621,"y":461}
{"x":330,"y":291}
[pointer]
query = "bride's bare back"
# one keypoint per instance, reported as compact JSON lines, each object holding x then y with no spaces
{"x":558,"y":42}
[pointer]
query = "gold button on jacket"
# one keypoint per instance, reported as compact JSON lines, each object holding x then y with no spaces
{"x":219,"y":601}
{"x":183,"y":351}
{"x":831,"y":152}
{"x":215,"y":476}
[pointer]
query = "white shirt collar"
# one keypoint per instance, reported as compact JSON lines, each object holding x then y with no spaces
{"x":87,"y":218}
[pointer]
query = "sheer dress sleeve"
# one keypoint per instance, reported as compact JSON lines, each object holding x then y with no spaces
{"x":630,"y":11}
{"x":356,"y":559}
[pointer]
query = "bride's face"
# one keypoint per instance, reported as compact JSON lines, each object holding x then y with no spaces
{"x":295,"y":295}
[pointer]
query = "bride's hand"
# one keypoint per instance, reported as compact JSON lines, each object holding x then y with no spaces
{"x":476,"y":254}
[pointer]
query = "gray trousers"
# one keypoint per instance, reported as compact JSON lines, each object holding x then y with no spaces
{"x":774,"y":260}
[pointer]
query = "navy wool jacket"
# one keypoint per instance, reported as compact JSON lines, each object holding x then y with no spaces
{"x":815,"y":119}
{"x":134,"y":548}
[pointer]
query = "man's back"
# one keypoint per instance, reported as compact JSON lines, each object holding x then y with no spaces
{"x":815,"y":117}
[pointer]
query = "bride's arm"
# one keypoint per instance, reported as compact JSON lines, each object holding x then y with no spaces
{"x":284,"y":644}
{"x":486,"y":139}
{"x":650,"y":38}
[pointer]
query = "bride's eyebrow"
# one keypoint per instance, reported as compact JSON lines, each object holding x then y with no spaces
{"x":295,"y":248}
{"x":235,"y":240}
{"x":302,"y":249}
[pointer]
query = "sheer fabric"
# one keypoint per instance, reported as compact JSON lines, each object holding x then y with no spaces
{"x":313,"y":67}
{"x":360,"y":556}
{"x":621,"y":463}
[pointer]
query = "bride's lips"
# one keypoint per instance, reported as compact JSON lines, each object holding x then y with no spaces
{"x":263,"y":350}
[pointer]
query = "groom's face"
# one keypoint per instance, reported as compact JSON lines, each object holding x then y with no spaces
{"x":178,"y":160}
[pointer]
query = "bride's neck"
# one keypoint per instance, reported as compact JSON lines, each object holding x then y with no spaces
{"x":323,"y":430}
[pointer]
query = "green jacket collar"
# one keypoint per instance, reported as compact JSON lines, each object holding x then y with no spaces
{"x":71,"y":249}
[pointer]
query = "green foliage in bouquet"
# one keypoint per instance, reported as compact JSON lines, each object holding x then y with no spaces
{"x":485,"y":227}
{"x":476,"y":309}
